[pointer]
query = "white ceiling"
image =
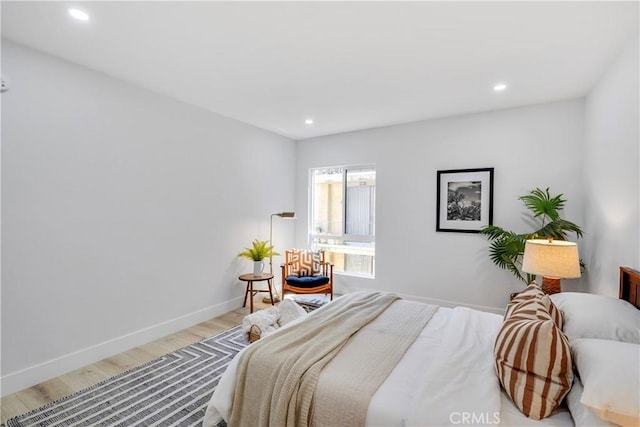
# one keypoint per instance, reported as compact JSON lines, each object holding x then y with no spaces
{"x":348,"y":66}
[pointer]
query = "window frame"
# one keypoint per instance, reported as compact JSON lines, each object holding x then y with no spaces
{"x":356,"y":238}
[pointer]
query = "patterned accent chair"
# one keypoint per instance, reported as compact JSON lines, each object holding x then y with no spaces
{"x":307,"y":272}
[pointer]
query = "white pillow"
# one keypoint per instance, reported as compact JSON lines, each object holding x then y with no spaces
{"x":598,"y":316}
{"x":583,"y":416}
{"x":289,"y":311}
{"x":610,"y":374}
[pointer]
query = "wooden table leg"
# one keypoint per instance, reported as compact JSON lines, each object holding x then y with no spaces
{"x":270,"y":294}
{"x":251,"y":292}
{"x":244,"y":304}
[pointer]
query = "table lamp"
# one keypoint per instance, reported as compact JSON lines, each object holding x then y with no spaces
{"x":553,"y":260}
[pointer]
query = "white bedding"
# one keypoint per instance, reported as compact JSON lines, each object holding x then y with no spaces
{"x":446,"y":377}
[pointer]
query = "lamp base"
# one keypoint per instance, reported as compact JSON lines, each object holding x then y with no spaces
{"x":551,"y":286}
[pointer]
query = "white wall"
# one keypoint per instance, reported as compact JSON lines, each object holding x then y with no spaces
{"x":611,"y":179}
{"x":123,"y":210}
{"x":537,"y":146}
{"x":122,"y":214}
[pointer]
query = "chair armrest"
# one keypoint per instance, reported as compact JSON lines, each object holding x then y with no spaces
{"x":283,"y":268}
{"x":327,"y":268}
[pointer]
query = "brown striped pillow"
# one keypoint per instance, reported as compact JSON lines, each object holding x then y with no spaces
{"x":533,"y":358}
{"x":534,"y":292}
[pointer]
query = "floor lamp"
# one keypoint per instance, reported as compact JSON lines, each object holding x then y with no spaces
{"x":288,"y":215}
{"x":553,"y":260}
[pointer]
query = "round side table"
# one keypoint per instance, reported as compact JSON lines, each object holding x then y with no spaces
{"x":250,"y":278}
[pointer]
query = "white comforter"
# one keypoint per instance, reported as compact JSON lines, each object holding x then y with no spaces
{"x":446,"y":377}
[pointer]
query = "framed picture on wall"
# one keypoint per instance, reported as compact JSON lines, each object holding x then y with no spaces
{"x":465,"y":200}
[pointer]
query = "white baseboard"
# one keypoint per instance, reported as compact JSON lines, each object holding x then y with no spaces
{"x":36,"y":374}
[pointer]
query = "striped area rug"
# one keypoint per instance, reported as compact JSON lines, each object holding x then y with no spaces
{"x":172,"y":390}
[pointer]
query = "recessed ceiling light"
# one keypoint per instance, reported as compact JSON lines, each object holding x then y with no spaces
{"x":500,"y":87}
{"x":309,"y":121}
{"x":79,"y":15}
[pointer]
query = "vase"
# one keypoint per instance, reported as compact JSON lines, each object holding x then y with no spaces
{"x":258,"y":267}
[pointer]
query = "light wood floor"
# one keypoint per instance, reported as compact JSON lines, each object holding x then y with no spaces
{"x":41,"y":394}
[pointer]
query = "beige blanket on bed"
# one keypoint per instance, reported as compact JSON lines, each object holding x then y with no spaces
{"x":277,"y":377}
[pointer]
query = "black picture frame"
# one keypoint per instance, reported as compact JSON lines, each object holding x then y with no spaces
{"x":470,"y":207}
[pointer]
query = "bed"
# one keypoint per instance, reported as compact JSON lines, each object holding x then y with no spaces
{"x":456,"y":370}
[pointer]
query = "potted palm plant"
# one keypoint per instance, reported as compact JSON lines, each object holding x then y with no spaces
{"x":507,"y":247}
{"x":259,"y":250}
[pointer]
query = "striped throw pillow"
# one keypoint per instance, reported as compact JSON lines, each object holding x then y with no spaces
{"x":305,"y":263}
{"x":533,"y":291}
{"x":533,"y":359}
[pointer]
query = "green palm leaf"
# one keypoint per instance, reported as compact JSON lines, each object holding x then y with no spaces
{"x":558,"y":229}
{"x":506,"y":252}
{"x":493,"y":232}
{"x":540,"y":203}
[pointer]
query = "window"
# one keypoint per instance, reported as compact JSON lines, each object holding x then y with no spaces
{"x":342,"y":217}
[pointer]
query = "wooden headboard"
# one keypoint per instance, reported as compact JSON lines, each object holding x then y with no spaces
{"x":630,"y":285}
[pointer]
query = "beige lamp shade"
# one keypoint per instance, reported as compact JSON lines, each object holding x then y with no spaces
{"x":555,"y":259}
